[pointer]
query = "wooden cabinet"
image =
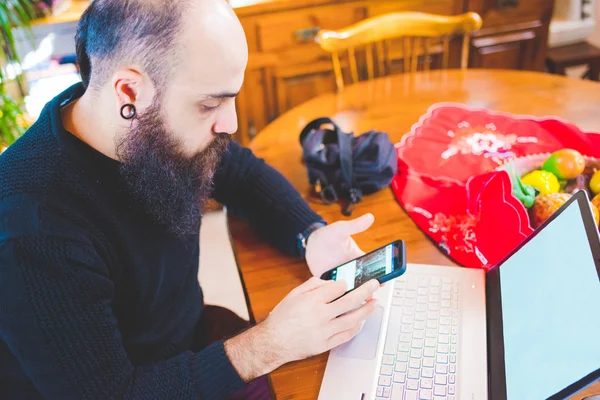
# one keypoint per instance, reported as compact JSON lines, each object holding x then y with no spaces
{"x":286,"y":67}
{"x":514,"y":34}
{"x":294,"y":84}
{"x":512,"y":50}
{"x":304,"y":70}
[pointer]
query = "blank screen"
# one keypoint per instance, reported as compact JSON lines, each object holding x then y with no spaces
{"x":551,"y":310}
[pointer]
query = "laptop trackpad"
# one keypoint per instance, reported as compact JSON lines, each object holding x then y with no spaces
{"x":364,"y":345}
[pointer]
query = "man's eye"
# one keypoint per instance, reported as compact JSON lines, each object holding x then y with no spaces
{"x":205,"y":107}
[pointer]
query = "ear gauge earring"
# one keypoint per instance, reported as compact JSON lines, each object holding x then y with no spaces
{"x":128,"y":111}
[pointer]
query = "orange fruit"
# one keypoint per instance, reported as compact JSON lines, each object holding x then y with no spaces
{"x":595,"y":182}
{"x":596,"y":201}
{"x":565,"y":164}
{"x":596,"y":214}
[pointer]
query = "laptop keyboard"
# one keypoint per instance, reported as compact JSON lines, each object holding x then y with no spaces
{"x":420,"y":353}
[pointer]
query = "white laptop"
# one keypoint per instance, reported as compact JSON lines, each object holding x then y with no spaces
{"x":527,"y":329}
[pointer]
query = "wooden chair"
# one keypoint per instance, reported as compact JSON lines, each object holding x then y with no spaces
{"x":375,"y":34}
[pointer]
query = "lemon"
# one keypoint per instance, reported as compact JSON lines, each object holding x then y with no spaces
{"x":545,"y":182}
{"x":595,"y":182}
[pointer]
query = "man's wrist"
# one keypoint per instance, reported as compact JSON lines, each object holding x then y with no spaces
{"x":302,"y":237}
{"x":253,"y":354}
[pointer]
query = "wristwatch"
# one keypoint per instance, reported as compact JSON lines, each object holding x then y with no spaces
{"x":302,"y":237}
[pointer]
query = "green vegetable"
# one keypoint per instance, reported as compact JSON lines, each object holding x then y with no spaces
{"x":525,"y":193}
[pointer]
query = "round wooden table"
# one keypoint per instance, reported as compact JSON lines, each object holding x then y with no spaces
{"x":391,"y":105}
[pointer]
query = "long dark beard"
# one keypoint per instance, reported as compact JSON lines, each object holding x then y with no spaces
{"x":170,"y":186}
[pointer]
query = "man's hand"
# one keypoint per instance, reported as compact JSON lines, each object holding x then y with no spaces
{"x":332,"y":245}
{"x":307,"y":322}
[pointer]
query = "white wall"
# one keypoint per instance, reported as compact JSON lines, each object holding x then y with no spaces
{"x":62,"y":37}
{"x":595,"y":37}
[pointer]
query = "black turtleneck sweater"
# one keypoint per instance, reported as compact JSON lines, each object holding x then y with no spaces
{"x":96,"y":300}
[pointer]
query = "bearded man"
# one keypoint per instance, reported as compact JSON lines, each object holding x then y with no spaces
{"x":100,"y":210}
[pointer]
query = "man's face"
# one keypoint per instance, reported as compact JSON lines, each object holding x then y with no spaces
{"x":199,"y":100}
{"x":172,"y":148}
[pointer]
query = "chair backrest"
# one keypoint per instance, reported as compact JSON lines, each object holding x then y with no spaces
{"x":375,"y":35}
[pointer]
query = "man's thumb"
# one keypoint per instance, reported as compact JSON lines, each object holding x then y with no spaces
{"x":360,"y":224}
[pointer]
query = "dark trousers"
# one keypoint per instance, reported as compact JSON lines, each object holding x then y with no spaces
{"x":219,"y":323}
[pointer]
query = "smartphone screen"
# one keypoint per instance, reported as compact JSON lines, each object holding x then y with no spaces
{"x":383,"y":264}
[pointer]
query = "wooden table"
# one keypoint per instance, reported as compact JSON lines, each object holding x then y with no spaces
{"x":392,"y":105}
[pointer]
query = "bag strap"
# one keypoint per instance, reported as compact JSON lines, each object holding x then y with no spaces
{"x":345,"y":146}
{"x":345,"y":141}
{"x":316,"y":124}
{"x":325,"y":189}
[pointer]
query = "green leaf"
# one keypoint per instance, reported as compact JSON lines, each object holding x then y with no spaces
{"x":6,"y":27}
{"x":14,"y":14}
{"x":23,"y":16}
{"x":11,"y":127}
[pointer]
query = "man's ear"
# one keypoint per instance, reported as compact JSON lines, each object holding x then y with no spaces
{"x":131,"y":86}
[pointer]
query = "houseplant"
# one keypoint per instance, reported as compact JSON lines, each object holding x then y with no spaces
{"x":13,"y":119}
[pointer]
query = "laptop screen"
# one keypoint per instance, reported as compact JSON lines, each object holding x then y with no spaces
{"x":550,"y":296}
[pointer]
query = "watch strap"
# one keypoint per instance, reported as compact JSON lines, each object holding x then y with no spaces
{"x":302,"y":237}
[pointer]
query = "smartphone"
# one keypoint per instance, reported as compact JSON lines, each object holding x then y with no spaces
{"x":383,"y":264}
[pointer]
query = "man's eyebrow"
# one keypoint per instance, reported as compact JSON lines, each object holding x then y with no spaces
{"x":221,"y":95}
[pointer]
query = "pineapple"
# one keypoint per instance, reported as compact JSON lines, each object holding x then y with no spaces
{"x":545,"y":205}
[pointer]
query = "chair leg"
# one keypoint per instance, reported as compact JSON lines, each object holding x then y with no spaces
{"x":594,"y":71}
{"x":586,"y":74}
